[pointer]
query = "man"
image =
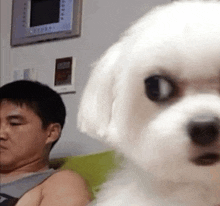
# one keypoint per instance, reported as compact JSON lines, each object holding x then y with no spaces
{"x":31,"y":120}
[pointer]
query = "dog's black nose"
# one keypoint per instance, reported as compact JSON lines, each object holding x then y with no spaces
{"x":204,"y":130}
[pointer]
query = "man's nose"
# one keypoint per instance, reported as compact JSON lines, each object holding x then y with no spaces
{"x":3,"y":132}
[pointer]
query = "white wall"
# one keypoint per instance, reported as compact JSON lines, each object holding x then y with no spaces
{"x":102,"y":23}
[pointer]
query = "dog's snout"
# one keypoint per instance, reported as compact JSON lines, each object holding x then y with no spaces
{"x":204,"y":130}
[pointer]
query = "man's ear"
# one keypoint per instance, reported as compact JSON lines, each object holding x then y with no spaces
{"x":53,"y":132}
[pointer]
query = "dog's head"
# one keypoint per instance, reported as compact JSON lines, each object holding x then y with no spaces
{"x":155,"y":94}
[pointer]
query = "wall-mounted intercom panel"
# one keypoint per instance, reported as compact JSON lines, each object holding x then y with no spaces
{"x":41,"y":20}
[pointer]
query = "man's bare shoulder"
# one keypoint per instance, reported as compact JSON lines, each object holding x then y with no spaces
{"x":65,"y":187}
{"x":62,"y":188}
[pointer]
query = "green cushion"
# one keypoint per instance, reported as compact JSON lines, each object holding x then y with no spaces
{"x":94,"y":168}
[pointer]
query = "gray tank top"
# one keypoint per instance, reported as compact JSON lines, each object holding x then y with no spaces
{"x":12,"y":191}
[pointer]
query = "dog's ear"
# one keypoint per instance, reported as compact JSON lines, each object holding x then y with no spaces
{"x":96,"y":104}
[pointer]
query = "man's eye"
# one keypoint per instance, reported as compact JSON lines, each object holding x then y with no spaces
{"x":15,"y":123}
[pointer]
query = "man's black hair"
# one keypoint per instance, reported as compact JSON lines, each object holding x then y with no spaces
{"x":44,"y":102}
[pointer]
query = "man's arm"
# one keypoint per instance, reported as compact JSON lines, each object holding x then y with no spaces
{"x":65,"y":188}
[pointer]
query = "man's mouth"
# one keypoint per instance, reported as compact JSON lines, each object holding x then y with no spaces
{"x":207,"y":159}
{"x":2,"y":148}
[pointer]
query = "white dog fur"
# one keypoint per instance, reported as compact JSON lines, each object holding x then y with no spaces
{"x":180,"y":40}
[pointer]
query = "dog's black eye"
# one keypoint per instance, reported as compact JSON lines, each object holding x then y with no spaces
{"x":159,"y":88}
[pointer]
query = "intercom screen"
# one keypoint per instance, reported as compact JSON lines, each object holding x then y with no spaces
{"x":44,"y":12}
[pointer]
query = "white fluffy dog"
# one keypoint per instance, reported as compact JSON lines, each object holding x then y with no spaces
{"x":154,"y":96}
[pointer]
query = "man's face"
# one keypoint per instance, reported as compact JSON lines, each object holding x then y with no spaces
{"x":22,"y":138}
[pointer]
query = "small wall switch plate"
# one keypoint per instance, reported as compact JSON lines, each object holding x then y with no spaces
{"x":30,"y":74}
{"x":18,"y":75}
